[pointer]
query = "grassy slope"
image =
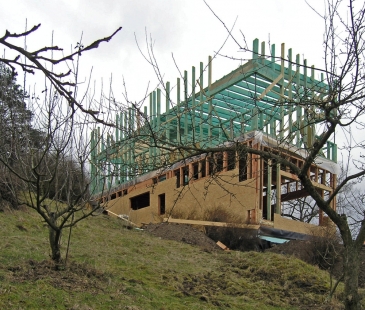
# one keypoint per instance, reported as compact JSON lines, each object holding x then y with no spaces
{"x":123,"y":269}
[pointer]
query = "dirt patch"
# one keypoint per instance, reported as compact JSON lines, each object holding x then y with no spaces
{"x":75,"y":277}
{"x":182,"y":233}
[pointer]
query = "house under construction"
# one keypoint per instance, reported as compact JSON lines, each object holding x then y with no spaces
{"x":187,"y":154}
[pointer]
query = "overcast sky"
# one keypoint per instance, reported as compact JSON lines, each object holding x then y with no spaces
{"x":188,"y":29}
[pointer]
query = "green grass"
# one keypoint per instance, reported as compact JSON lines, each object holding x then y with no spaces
{"x":115,"y":268}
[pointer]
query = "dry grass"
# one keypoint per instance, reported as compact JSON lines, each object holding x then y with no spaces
{"x":111,"y":267}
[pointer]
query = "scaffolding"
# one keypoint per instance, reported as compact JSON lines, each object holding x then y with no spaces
{"x":271,"y":95}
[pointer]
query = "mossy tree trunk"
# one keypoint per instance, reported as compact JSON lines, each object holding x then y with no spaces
{"x":351,"y":263}
{"x":54,"y":240}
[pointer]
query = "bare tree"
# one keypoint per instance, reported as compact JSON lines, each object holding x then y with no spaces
{"x":48,"y":172}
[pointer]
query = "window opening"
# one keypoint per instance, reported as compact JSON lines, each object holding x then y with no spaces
{"x":219,"y":162}
{"x":231,"y":158}
{"x":186,"y":175}
{"x":203,"y":169}
{"x":242,"y":167}
{"x":196,"y":171}
{"x":161,"y":204}
{"x":140,"y":201}
{"x":177,"y":175}
{"x":162,"y":178}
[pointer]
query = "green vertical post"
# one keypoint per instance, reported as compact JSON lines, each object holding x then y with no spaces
{"x":193,"y":102}
{"x":158,"y":121}
{"x":263,"y":52}
{"x":117,"y":127}
{"x":272,"y":128}
{"x":126,"y":132}
{"x":255,"y":119}
{"x":158,"y":109}
{"x":210,"y":108}
{"x":201,"y":80}
{"x":108,"y":159}
{"x":290,"y":92}
{"x":121,"y":126}
{"x":178,"y":112}
{"x":242,"y":122}
{"x":231,"y":129}
{"x":255,"y":49}
{"x":299,"y":109}
{"x":261,"y":119}
{"x":281,"y":121}
{"x":305,"y":125}
{"x":278,"y":190}
{"x":186,"y":110}
{"x":268,"y":192}
{"x":98,"y":148}
{"x":126,"y":146}
{"x":168,"y":123}
{"x":92,"y":164}
{"x":273,"y":57}
{"x":131,"y":149}
{"x":150,"y":151}
{"x":130,"y":124}
{"x":151,"y":113}
{"x":312,"y":110}
{"x":154,"y":110}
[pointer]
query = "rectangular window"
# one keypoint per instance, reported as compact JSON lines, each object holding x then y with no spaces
{"x":162,"y":178}
{"x":242,"y":167}
{"x":231,"y":158}
{"x":140,"y":201}
{"x":211,"y":165}
{"x":177,"y":175}
{"x":196,"y":171}
{"x":203,"y":168}
{"x":186,"y":175}
{"x":161,"y":204}
{"x":219,"y":162}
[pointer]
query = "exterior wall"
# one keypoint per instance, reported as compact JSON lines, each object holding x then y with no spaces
{"x":206,"y":190}
{"x":294,"y":226}
{"x":222,"y":190}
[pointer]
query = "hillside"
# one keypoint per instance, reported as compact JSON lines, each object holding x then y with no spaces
{"x":111,"y":267}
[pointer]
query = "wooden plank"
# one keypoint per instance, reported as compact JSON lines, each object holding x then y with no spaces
{"x":321,"y":186}
{"x":294,"y":177}
{"x":263,"y":94}
{"x":289,"y":175}
{"x":123,"y":219}
{"x":222,"y":246}
{"x":208,"y":223}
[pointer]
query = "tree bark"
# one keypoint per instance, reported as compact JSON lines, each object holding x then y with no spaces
{"x":351,"y":276}
{"x":54,"y":241}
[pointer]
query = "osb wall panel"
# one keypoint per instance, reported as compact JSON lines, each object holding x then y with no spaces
{"x":295,"y":226}
{"x":149,"y":214}
{"x":223,"y":190}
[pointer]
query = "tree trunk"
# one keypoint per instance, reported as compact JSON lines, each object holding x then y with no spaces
{"x":54,"y":242}
{"x":351,"y":276}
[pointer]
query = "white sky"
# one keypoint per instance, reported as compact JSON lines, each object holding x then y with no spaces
{"x":185,"y":28}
